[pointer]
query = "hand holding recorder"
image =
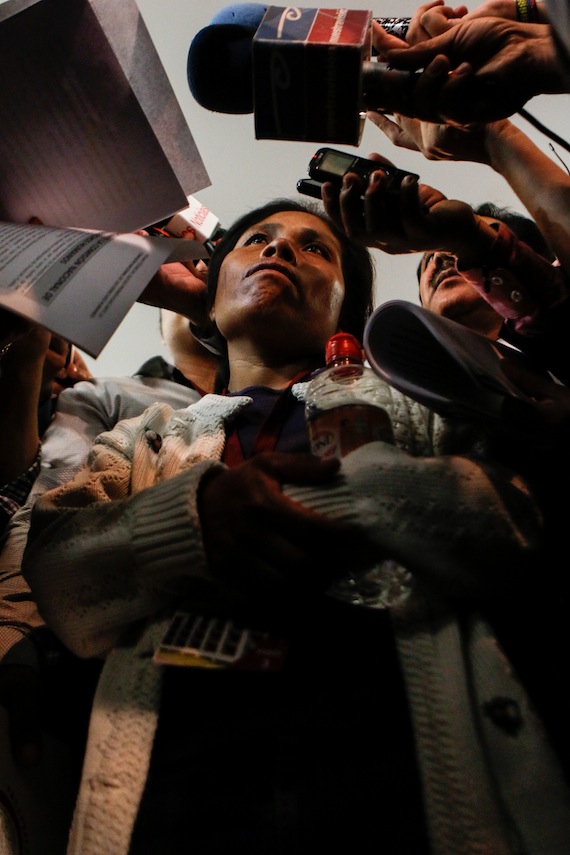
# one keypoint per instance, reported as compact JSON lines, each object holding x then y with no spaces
{"x":384,"y":207}
{"x":331,"y":165}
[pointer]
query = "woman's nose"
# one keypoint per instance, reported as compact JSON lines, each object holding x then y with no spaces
{"x":280,"y":248}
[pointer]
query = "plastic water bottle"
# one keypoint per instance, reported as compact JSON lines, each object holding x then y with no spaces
{"x":346,"y":404}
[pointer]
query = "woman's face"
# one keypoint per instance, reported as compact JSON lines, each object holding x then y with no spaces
{"x":282,"y":284}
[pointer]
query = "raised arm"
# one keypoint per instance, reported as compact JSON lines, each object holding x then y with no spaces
{"x":481,"y":69}
{"x":541,"y":184}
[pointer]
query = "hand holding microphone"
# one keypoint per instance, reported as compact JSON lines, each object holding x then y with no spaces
{"x":306,"y":74}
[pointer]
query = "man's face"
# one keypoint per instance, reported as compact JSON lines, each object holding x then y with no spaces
{"x":444,"y":291}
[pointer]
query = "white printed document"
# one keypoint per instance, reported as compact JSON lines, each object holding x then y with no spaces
{"x":93,"y":138}
{"x":78,"y":283}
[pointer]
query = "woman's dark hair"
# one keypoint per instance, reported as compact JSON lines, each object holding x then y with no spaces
{"x":357,"y":264}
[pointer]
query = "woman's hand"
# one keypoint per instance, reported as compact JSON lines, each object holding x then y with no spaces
{"x":267,"y":551}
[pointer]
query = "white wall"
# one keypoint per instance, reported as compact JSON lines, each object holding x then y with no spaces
{"x":246,"y":172}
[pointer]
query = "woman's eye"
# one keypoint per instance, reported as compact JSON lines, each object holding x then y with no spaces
{"x":318,"y":248}
{"x":258,"y":237}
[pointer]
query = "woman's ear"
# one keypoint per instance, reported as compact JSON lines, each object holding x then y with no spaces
{"x":212,"y":314}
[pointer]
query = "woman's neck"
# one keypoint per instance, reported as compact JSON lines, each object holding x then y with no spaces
{"x":253,"y":370}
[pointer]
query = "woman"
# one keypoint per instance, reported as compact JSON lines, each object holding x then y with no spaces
{"x":185,"y":510}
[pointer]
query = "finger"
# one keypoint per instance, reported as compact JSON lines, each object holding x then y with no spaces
{"x":409,"y":197}
{"x":420,"y":55}
{"x":386,"y":125}
{"x":469,"y":97}
{"x":330,"y":195}
{"x":381,"y":160}
{"x":78,"y":371}
{"x":416,"y":31}
{"x":435,"y":22}
{"x":415,"y":215}
{"x":378,"y":209}
{"x":395,"y":133}
{"x":351,"y":209}
{"x":426,"y":94}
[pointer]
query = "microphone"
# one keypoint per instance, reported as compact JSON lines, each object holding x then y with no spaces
{"x":304,"y":73}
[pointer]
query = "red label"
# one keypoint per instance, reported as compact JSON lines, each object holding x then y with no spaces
{"x":340,"y":26}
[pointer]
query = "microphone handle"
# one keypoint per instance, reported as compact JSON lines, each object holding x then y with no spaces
{"x":395,"y":26}
{"x":385,"y":89}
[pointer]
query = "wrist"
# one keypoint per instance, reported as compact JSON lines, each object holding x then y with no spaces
{"x":499,"y":141}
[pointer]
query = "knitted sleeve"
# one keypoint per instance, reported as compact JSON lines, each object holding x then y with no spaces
{"x":464,"y":528}
{"x":100,"y":557}
{"x":83,"y":412}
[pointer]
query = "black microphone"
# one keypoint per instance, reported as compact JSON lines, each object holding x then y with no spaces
{"x":306,"y":74}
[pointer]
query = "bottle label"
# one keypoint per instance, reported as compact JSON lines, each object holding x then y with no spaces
{"x":336,"y":432}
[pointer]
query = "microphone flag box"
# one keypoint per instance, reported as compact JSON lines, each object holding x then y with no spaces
{"x":195,"y":222}
{"x":307,"y":74}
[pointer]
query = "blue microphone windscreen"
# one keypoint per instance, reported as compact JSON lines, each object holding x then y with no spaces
{"x":247,"y":14}
{"x":220,"y":68}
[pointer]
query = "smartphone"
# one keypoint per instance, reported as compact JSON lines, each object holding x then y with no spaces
{"x":329,"y":164}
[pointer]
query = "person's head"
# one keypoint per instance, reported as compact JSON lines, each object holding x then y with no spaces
{"x":176,"y":335}
{"x":285,"y":277}
{"x":188,"y":353}
{"x":444,"y":291}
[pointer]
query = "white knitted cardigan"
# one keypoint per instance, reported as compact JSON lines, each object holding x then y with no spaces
{"x":486,"y":792}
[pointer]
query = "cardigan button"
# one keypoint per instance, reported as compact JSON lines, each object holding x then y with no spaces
{"x":153,"y":439}
{"x":516,"y":296}
{"x":505,"y":713}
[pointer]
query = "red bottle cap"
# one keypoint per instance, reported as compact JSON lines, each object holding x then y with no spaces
{"x":343,"y":345}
